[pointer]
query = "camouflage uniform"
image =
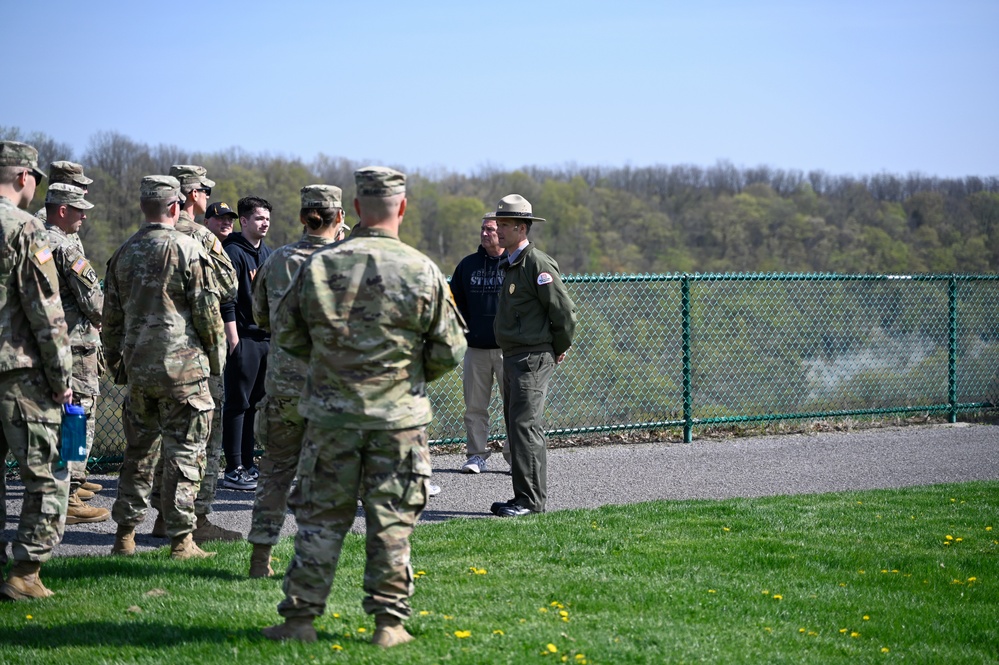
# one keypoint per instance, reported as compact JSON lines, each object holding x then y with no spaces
{"x":82,"y":302}
{"x":279,"y":427}
{"x":225,"y":278}
{"x":35,"y":362}
{"x":375,"y":319}
{"x":163,"y":336}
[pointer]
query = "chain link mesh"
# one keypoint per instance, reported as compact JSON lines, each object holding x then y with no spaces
{"x":654,"y":351}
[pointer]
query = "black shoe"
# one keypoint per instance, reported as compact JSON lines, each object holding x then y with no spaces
{"x":513,"y":510}
{"x":494,"y":509}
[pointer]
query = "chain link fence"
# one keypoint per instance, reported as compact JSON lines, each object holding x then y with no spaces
{"x":692,"y":350}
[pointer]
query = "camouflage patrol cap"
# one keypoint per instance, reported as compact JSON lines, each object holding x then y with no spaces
{"x":68,"y":172}
{"x":321,"y":196}
{"x":160,"y":188}
{"x":513,"y":206}
{"x":15,"y":153}
{"x":379,"y":181}
{"x":220,"y":209}
{"x":66,"y":194}
{"x":191,"y":176}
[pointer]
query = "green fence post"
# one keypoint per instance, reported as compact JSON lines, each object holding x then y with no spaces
{"x":688,"y":418}
{"x":952,"y":347}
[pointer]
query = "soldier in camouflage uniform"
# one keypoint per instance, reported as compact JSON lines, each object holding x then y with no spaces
{"x":196,"y":188}
{"x":68,"y":173}
{"x":36,"y":371}
{"x":375,"y":320}
{"x":279,"y":426}
{"x":163,"y":337}
{"x":82,"y":301}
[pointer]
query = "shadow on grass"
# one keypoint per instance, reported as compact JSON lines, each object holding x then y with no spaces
{"x":140,"y":567}
{"x":138,"y":633}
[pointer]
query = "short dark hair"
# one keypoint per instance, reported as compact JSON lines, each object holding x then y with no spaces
{"x":248,"y":204}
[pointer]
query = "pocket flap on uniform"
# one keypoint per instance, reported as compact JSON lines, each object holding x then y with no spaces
{"x":32,"y":412}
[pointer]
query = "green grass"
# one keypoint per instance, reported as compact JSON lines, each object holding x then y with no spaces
{"x":886,"y":576}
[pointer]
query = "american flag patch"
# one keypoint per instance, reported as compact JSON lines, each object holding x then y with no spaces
{"x":44,"y":255}
{"x":80,"y":266}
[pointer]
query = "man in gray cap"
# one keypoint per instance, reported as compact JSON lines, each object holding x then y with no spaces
{"x":69,"y":173}
{"x":163,"y":337}
{"x":534,"y":325}
{"x":36,"y":371}
{"x":374,"y":320}
{"x":279,"y":425}
{"x":82,"y":301}
{"x":196,"y":188}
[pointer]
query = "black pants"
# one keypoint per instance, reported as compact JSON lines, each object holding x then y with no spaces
{"x":244,"y":388}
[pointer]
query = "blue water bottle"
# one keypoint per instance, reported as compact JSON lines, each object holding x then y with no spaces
{"x":74,"y":434}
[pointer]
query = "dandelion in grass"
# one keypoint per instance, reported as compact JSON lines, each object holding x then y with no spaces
{"x":958,"y":540}
{"x":854,"y":634}
{"x":580,"y":656}
{"x":336,"y":616}
{"x":29,"y":617}
{"x":885,"y":649}
{"x":336,"y":647}
{"x":843,"y":630}
{"x":867,"y":618}
{"x":424,"y":613}
{"x":552,"y":648}
{"x":712,"y":591}
{"x":777,"y":596}
{"x":362,"y":629}
{"x":542,"y":609}
{"x":972,"y":579}
{"x":462,"y":634}
{"x":448,"y":617}
{"x":766,"y":592}
{"x":498,"y":632}
{"x":812,"y":633}
{"x":801,"y":630}
{"x":988,"y":528}
{"x":725,"y":528}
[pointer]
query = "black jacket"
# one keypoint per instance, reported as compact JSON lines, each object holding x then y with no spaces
{"x":476,"y":285}
{"x":246,"y":259}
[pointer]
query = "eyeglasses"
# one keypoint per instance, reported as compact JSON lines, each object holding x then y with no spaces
{"x":206,"y":190}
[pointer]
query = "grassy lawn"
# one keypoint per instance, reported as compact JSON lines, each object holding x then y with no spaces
{"x":886,"y":576}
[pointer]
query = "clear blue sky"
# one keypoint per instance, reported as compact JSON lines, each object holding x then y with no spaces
{"x":847,"y":86}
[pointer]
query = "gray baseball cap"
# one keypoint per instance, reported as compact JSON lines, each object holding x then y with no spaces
{"x":66,"y":194}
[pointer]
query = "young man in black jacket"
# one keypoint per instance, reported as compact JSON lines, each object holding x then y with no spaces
{"x":247,"y":342}
{"x":476,"y":285}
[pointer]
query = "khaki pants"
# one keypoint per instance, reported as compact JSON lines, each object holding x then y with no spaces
{"x":478,"y":370}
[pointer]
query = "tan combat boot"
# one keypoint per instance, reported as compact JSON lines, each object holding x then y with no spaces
{"x":84,"y":495}
{"x":80,"y":513}
{"x":260,"y":561}
{"x":124,"y":541}
{"x":293,"y":628}
{"x":159,"y":527}
{"x":91,"y":487}
{"x":389,"y":631}
{"x":183,"y":548}
{"x":24,"y":582}
{"x":205,"y":531}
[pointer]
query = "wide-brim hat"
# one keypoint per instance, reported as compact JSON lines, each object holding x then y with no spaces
{"x":514,"y":206}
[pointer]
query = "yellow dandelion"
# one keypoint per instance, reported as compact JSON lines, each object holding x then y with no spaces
{"x":948,"y":537}
{"x":336,"y":647}
{"x":842,"y":630}
{"x":462,"y":634}
{"x":957,"y":540}
{"x":765,"y":592}
{"x":777,"y":596}
{"x":860,"y":503}
{"x":988,"y":528}
{"x":867,"y":618}
{"x":580,"y":656}
{"x":523,"y":621}
{"x":712,"y":591}
{"x":563,"y":613}
{"x":424,"y":613}
{"x":861,"y":572}
{"x":346,"y":634}
{"x":421,"y":572}
{"x":29,"y":617}
{"x":972,"y":579}
{"x":565,"y":619}
{"x":885,"y":649}
{"x":362,"y":629}
{"x":801,"y":630}
{"x":946,"y":542}
{"x":498,"y":632}
{"x":812,"y":633}
{"x":552,"y":648}
{"x":953,"y":500}
{"x":542,"y":609}
{"x":725,"y":528}
{"x":842,"y":583}
{"x":448,"y":617}
{"x":854,"y":634}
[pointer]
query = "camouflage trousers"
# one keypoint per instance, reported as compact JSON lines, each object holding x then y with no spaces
{"x":279,"y":429}
{"x":390,"y":470}
{"x":29,"y":430}
{"x":158,"y":425}
{"x":78,"y":470}
{"x":213,"y":453}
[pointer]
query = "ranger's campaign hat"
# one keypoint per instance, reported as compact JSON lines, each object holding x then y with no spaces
{"x":321,"y":196}
{"x":15,"y":153}
{"x":514,"y":206}
{"x":160,"y":188}
{"x":66,"y":194}
{"x":220,"y":209}
{"x":68,"y":172}
{"x":379,"y":181}
{"x":191,"y":176}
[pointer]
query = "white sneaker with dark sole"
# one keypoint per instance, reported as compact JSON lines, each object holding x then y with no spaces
{"x":474,"y":464}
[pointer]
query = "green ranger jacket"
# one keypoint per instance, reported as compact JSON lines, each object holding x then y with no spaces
{"x":535,"y":310}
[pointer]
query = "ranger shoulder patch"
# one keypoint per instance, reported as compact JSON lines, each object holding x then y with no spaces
{"x":545,"y":278}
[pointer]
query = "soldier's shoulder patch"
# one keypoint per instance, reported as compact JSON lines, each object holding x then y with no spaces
{"x":85,"y":272}
{"x":545,"y":278}
{"x":217,"y":246}
{"x":43,"y":255}
{"x":80,"y":265}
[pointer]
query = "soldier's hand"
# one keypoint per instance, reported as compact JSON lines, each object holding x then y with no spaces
{"x":65,"y":397}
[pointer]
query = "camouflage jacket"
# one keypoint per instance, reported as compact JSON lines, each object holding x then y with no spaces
{"x":285,"y":373}
{"x":376,"y":321}
{"x":32,"y":326}
{"x":82,"y":302}
{"x":161,"y":315}
{"x":222,"y":270}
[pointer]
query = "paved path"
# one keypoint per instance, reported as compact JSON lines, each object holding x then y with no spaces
{"x":589,"y":477}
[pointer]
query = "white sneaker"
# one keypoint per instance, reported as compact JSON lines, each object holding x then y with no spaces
{"x":433,"y":490}
{"x":474,"y":464}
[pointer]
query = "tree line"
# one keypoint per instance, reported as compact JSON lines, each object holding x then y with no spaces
{"x":656,"y":219}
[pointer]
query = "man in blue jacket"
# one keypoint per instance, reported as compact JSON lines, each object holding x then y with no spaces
{"x":476,"y":285}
